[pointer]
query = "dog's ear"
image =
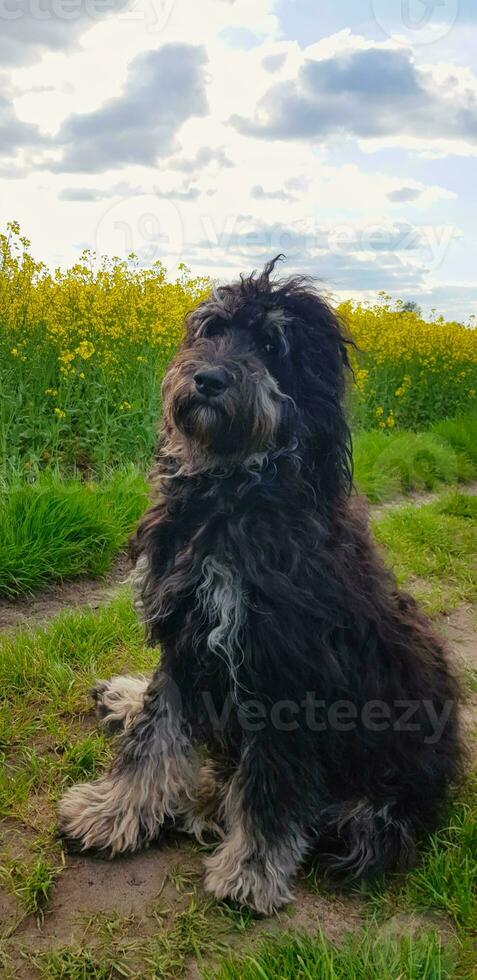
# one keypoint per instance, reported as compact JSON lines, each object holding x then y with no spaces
{"x":320,"y":352}
{"x":326,"y":344}
{"x":320,"y":339}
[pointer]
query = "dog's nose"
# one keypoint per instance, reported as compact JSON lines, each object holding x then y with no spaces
{"x":211,"y":381}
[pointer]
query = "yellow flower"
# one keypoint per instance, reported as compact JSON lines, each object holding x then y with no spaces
{"x":66,"y":356}
{"x":59,"y":412}
{"x":117,"y":316}
{"x":85,"y":349}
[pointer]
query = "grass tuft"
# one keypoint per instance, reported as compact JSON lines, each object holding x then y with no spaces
{"x":446,"y":879}
{"x":56,"y":528}
{"x":388,"y":464}
{"x":79,"y":963}
{"x":295,"y":956}
{"x":45,"y":678}
{"x":433,"y":549}
{"x":460,"y":433}
{"x":31,"y":883}
{"x":193,"y":932}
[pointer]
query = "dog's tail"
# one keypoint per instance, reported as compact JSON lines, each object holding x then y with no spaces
{"x":359,"y":839}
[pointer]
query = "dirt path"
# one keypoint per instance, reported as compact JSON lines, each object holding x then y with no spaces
{"x":419,"y":499}
{"x":47,"y":603}
{"x":460,"y":628}
{"x":144,"y":894}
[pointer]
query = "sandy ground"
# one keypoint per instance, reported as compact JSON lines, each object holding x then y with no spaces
{"x":37,"y":609}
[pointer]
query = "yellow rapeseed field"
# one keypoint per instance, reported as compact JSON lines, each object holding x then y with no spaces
{"x":409,"y":372}
{"x":83,"y":352}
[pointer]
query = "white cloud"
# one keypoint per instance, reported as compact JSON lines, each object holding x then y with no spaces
{"x":192,"y":186}
{"x":164,"y":88}
{"x":370,"y":92}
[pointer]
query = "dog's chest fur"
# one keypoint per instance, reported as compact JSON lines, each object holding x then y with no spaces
{"x":191,"y":581}
{"x":221,"y":612}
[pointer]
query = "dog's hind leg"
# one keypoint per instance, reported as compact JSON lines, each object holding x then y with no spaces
{"x":358,"y":839}
{"x":151,"y":781}
{"x":263,"y":848}
{"x":119,"y":700}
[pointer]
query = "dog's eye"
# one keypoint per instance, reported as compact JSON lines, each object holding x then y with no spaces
{"x":212,"y":327}
{"x":213,"y":330}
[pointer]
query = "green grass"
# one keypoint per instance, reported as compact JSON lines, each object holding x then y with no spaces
{"x":460,"y":433}
{"x":469,"y":678}
{"x":390,"y":463}
{"x":50,"y":663}
{"x":433,"y":549}
{"x":195,"y":931}
{"x":445,"y":878}
{"x":296,"y":956}
{"x":31,"y":883}
{"x":80,"y":963}
{"x":54,"y":528}
{"x":45,"y":677}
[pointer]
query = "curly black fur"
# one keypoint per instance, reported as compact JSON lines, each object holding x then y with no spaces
{"x":323,"y":615}
{"x":261,"y":584}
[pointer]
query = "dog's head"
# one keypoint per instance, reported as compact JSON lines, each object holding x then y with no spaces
{"x":262,"y":366}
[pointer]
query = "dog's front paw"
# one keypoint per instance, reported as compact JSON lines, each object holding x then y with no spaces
{"x":104,"y":816}
{"x":119,"y":700}
{"x":249,"y":881}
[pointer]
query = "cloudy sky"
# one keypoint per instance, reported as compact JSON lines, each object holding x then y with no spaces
{"x":221,"y":132}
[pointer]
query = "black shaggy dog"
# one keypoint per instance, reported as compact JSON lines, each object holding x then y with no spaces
{"x":303,"y":704}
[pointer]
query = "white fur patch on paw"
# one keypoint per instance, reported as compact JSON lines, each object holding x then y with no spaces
{"x":101,"y":816}
{"x":231,"y":873}
{"x":119,"y":700}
